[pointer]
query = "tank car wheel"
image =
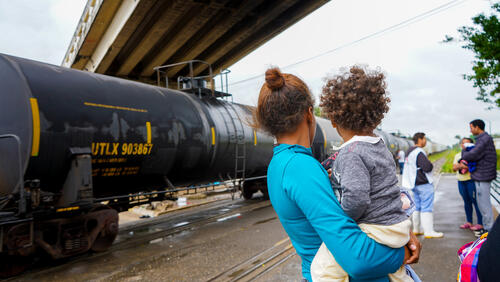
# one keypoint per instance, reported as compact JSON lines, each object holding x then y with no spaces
{"x":265,"y":193}
{"x":108,"y":233}
{"x":106,"y":237}
{"x":247,"y":193}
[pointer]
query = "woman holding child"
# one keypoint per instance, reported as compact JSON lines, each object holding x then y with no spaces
{"x":300,"y":189}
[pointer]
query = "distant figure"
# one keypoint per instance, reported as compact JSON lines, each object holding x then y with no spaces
{"x":401,"y":160}
{"x":467,"y":190}
{"x":355,"y":102}
{"x":417,"y":176}
{"x":484,"y":155}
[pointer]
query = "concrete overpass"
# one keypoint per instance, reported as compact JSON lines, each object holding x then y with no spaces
{"x":128,"y":38}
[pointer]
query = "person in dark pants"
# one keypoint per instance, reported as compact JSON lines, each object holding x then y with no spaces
{"x":485,"y":155}
{"x":488,"y":266}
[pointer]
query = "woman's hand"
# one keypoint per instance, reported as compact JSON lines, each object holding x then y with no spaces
{"x":412,"y":250}
{"x":329,"y":172}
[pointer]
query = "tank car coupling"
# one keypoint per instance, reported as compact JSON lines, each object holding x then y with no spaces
{"x":34,"y":191}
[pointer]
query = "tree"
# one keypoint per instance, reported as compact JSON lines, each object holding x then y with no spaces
{"x":483,"y":38}
{"x":317,"y":111}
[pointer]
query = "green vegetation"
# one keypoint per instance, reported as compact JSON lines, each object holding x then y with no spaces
{"x":483,"y":39}
{"x":317,"y":111}
{"x":435,"y":157}
{"x":498,"y":159}
{"x":448,"y":164}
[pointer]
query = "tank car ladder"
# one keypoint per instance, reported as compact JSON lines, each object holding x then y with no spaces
{"x":231,"y":118}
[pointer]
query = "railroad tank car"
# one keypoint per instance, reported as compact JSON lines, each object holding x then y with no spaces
{"x":389,"y":140}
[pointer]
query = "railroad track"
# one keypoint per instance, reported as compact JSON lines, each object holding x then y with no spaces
{"x":161,"y":227}
{"x":182,"y":222}
{"x":258,"y":265}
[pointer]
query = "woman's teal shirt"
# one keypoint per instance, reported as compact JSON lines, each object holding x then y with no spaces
{"x":302,"y":196}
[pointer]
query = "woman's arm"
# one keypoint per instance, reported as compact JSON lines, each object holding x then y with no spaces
{"x":360,"y":256}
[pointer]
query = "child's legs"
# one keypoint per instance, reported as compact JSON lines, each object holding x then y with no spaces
{"x":324,"y":267}
{"x":463,"y":189}
{"x":400,"y":276}
{"x":394,"y":236}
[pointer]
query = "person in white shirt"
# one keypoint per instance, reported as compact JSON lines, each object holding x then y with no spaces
{"x":401,"y":160}
{"x":417,"y":176}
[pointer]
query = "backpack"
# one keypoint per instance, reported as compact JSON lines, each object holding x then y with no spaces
{"x":469,"y":255}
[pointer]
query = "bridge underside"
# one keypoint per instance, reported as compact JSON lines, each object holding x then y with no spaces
{"x":128,"y":38}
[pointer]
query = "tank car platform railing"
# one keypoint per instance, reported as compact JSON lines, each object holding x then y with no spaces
{"x":163,"y":70}
{"x":193,"y":82}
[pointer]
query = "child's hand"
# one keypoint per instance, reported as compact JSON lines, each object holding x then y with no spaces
{"x":329,"y":172}
{"x":406,"y":201}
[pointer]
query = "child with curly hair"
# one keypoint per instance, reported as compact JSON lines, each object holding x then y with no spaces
{"x":356,"y":102}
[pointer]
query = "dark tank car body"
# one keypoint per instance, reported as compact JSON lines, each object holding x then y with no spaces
{"x":137,"y":134}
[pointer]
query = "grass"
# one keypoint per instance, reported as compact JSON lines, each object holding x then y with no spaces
{"x":498,"y":159}
{"x":448,"y":164}
{"x":435,"y":157}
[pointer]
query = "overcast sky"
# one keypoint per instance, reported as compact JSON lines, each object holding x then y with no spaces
{"x":424,"y":75}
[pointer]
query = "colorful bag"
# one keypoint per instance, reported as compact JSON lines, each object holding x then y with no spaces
{"x":469,"y":255}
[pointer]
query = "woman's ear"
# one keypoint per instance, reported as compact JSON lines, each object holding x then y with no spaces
{"x":310,"y":115}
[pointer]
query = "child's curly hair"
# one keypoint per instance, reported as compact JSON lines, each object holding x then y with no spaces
{"x":356,"y":100}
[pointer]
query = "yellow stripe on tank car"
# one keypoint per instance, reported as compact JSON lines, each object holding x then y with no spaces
{"x":148,"y":132}
{"x":35,"y":144}
{"x":254,"y":138}
{"x":213,"y":136}
{"x":324,"y":137}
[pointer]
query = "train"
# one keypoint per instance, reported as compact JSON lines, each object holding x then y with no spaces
{"x":79,"y":147}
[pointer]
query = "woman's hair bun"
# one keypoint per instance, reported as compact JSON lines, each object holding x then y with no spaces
{"x":274,"y":79}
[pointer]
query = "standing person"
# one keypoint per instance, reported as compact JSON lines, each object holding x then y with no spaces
{"x":401,"y":160}
{"x":484,"y":155}
{"x":417,"y":176}
{"x":467,"y":190}
{"x":301,"y":193}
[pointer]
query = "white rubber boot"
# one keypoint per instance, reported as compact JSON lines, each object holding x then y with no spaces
{"x":428,"y":224}
{"x":417,"y":228}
